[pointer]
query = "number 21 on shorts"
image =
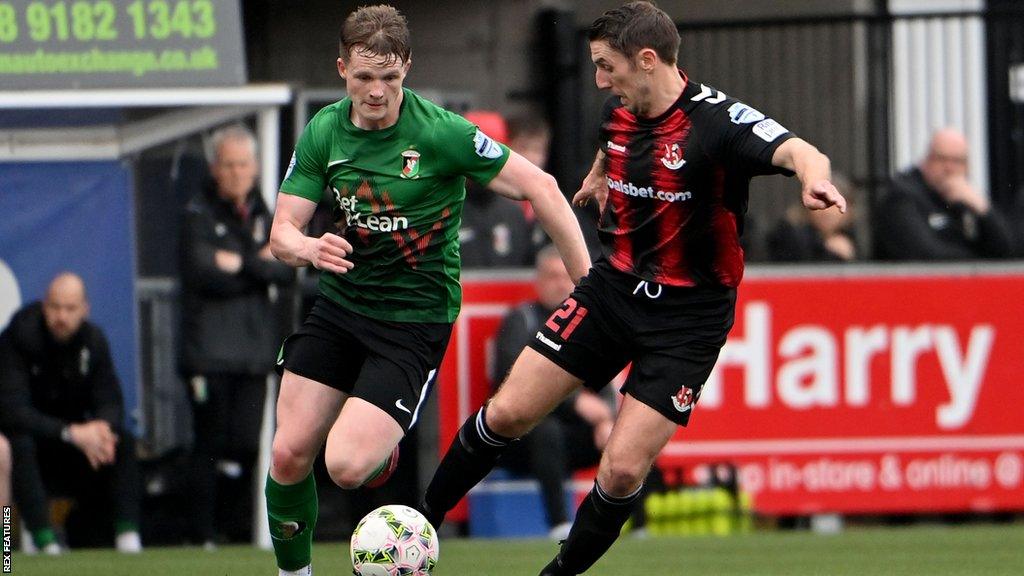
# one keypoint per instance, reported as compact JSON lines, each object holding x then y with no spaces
{"x":565,"y":320}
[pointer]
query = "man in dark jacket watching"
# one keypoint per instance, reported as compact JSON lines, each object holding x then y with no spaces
{"x":64,"y":414}
{"x":230,"y":337}
{"x":932,"y":212}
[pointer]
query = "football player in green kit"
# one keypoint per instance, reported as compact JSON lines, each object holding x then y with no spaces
{"x":358,"y":370}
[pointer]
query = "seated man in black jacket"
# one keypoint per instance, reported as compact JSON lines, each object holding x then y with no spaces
{"x":932,"y":212}
{"x":230,"y":338}
{"x":573,"y":436}
{"x":64,"y":413}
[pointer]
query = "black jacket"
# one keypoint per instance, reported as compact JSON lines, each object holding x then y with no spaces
{"x":912,"y":222}
{"x":494,"y":232}
{"x":46,"y":385}
{"x":798,"y":243}
{"x":228,"y":319}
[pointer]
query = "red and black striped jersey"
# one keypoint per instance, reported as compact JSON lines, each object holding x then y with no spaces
{"x":678,"y":186}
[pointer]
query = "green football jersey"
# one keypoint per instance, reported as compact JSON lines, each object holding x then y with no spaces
{"x":397,"y":195}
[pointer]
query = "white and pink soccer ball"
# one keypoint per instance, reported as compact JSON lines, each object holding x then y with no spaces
{"x":394,"y":540}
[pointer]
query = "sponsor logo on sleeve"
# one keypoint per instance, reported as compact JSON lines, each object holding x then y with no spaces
{"x":769,"y":130}
{"x":485,"y":146}
{"x":291,"y":166}
{"x":740,"y":113}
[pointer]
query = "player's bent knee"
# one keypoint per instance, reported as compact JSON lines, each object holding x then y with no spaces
{"x":349,"y":473}
{"x":620,"y":477}
{"x":289,"y":465}
{"x":508,"y":420}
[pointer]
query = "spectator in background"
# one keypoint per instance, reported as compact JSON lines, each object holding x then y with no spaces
{"x":494,"y":232}
{"x":5,"y":471}
{"x":64,"y":414}
{"x":530,"y":136}
{"x":573,"y":436}
{"x":230,"y":339}
{"x":932,"y":212}
{"x":816,"y":236}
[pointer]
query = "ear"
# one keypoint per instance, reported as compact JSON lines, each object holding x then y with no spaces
{"x":407,"y":65}
{"x":647,"y":59}
{"x":341,"y":67}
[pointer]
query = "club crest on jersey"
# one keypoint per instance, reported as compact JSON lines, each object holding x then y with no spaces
{"x":684,"y":399}
{"x":410,"y":164}
{"x":673,"y":158}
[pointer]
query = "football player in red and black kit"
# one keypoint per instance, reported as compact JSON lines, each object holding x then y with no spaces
{"x":672,"y":178}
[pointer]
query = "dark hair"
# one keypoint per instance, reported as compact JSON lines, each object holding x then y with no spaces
{"x":635,"y":26}
{"x":380,"y":30}
{"x":528,"y":126}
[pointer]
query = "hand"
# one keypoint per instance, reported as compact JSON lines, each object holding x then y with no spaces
{"x":96,"y":440}
{"x":821,"y":195}
{"x":594,"y":186}
{"x":328,"y":252}
{"x":265,"y":253}
{"x":228,"y":261}
{"x":957,"y":190}
{"x":841,"y":246}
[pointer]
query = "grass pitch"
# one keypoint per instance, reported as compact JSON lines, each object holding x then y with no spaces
{"x":934,"y":551}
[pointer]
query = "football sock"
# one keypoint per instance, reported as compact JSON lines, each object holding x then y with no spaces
{"x":471,"y":456}
{"x":43,"y":536}
{"x":124,"y":526}
{"x":599,"y":520}
{"x":292,"y":511}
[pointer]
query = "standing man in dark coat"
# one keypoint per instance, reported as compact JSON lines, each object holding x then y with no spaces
{"x":64,"y":414}
{"x":229,"y":290}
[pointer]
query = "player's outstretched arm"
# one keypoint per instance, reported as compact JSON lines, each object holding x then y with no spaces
{"x":290,"y":245}
{"x":519,"y":179}
{"x":814,"y":171}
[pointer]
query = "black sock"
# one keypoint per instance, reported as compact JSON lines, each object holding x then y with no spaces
{"x":471,"y":456}
{"x":599,"y":520}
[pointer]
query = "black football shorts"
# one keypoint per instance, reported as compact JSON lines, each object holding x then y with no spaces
{"x":389,"y":364}
{"x":672,"y":335}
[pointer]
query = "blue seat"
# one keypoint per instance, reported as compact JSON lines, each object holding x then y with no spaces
{"x":508,"y":505}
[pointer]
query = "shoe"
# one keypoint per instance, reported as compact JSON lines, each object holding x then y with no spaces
{"x":381,"y":475}
{"x":53,"y":549}
{"x":128,"y":542}
{"x":560,"y":532}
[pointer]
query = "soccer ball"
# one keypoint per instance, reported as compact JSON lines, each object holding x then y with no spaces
{"x":394,"y":541}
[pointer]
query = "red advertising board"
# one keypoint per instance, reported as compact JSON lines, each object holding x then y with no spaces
{"x":868,"y":392}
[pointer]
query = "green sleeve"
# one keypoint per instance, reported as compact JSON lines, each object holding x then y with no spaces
{"x":468,"y":150}
{"x":306,"y":175}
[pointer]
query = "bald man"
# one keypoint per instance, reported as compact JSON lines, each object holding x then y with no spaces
{"x":63,"y":413}
{"x":932,"y":212}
